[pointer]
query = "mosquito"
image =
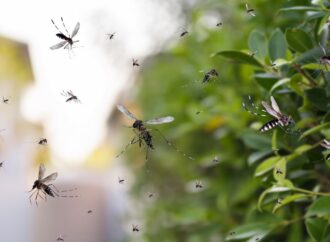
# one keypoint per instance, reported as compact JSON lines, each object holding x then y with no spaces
{"x":68,"y":41}
{"x":250,"y":11}
{"x":135,"y":62}
{"x":1,"y":164}
{"x":210,"y":75}
{"x":135,"y":228}
{"x":60,"y":238}
{"x":198,"y":185}
{"x":41,"y":186}
{"x":89,"y":211}
{"x":183,"y":33}
{"x":232,"y":233}
{"x":215,"y":159}
{"x":120,"y":180}
{"x":143,"y":135}
{"x":278,"y":171}
{"x":111,"y":35}
{"x":5,"y":100}
{"x":324,"y":59}
{"x":273,"y":109}
{"x":70,"y":96}
{"x":151,"y":194}
{"x":219,"y":24}
{"x":42,"y":141}
{"x":326,"y":144}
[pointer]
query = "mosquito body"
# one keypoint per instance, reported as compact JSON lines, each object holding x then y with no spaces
{"x":1,"y":164}
{"x":273,"y":110}
{"x":120,"y":180}
{"x":89,"y":211}
{"x":111,"y":36}
{"x":5,"y":100}
{"x":40,"y":185}
{"x":68,"y":41}
{"x":210,"y":75}
{"x":324,"y":59}
{"x":151,"y":194}
{"x":215,"y":159}
{"x":42,"y":141}
{"x":278,"y":171}
{"x":183,"y":33}
{"x":326,"y":144}
{"x":70,"y":97}
{"x":60,"y":238}
{"x":250,"y":11}
{"x":135,"y":228}
{"x":135,"y":62}
{"x":219,"y":24}
{"x":198,"y":185}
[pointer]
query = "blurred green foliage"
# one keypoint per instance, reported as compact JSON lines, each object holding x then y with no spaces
{"x":244,"y":197}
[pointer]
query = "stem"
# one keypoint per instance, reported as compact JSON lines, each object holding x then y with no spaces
{"x":310,"y":192}
{"x":302,"y":72}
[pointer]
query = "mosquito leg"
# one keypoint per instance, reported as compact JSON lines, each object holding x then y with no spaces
{"x":65,"y":27}
{"x":133,"y":141}
{"x":36,"y":198}
{"x":169,"y":143}
{"x":32,"y":195}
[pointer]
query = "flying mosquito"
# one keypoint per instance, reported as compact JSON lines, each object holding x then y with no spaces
{"x":68,"y":41}
{"x":219,"y":24}
{"x":1,"y":164}
{"x":250,"y":11}
{"x":41,"y":186}
{"x":198,"y":185}
{"x":60,"y":238}
{"x":111,"y":35}
{"x":210,"y":75}
{"x":324,"y":59}
{"x":151,"y":194}
{"x":89,"y":211}
{"x":183,"y":33}
{"x":120,"y":180}
{"x":273,"y":109}
{"x":143,"y":135}
{"x":5,"y":100}
{"x":326,"y":144}
{"x":135,"y":62}
{"x":278,"y":171}
{"x":42,"y":141}
{"x":70,"y":96}
{"x":135,"y":228}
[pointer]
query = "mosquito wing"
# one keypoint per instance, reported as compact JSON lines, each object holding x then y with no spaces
{"x":274,"y":104}
{"x":325,"y":144}
{"x":162,"y":120}
{"x":49,"y":178}
{"x":75,"y":31}
{"x":59,"y":45}
{"x":125,"y":111}
{"x":270,"y":110}
{"x":42,"y":170}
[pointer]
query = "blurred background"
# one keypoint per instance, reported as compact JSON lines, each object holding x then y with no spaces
{"x":83,"y":139}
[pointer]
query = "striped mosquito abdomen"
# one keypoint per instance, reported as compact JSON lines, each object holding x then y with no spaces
{"x":269,"y":125}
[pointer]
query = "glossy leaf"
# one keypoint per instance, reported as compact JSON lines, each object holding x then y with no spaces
{"x":240,"y":57}
{"x":277,"y":45}
{"x":298,"y":40}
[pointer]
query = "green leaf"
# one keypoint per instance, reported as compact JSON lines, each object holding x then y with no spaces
{"x":277,"y":45}
{"x":315,"y":129}
{"x":255,"y":156}
{"x":280,"y":83}
{"x":301,"y":8}
{"x":256,"y":141}
{"x":320,"y":208}
{"x":249,"y":231}
{"x":240,"y":57}
{"x":279,"y":172}
{"x":273,"y":189}
{"x":266,"y":80}
{"x":288,"y":200}
{"x":298,"y":40}
{"x":258,"y":43}
{"x":266,"y":165}
{"x":318,"y":97}
{"x":318,"y":229}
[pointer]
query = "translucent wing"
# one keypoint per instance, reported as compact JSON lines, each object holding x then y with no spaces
{"x":127,"y":113}
{"x":42,"y":170}
{"x":274,"y":104}
{"x":49,"y":178}
{"x":59,"y":45}
{"x":75,"y":31}
{"x":326,"y":144}
{"x":246,"y":6}
{"x":162,"y":120}
{"x":270,"y":110}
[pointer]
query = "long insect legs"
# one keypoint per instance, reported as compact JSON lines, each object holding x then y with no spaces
{"x":65,"y":27}
{"x":56,"y":27}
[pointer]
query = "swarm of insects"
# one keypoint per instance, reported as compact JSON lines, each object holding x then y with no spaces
{"x":70,"y":97}
{"x":135,"y":62}
{"x":281,"y":120}
{"x":111,"y":36}
{"x":326,"y":144}
{"x":250,"y":11}
{"x":143,"y":135}
{"x":135,"y":228}
{"x":68,"y":41}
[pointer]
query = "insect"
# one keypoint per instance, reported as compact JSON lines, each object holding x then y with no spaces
{"x":143,"y":135}
{"x":209,"y":75}
{"x":324,"y":59}
{"x":279,"y":201}
{"x":89,"y":211}
{"x":1,"y":164}
{"x":5,"y":100}
{"x":326,"y":144}
{"x":232,"y":233}
{"x":278,"y":171}
{"x":215,"y":159}
{"x":198,"y":185}
{"x":135,"y":62}
{"x":219,"y":24}
{"x":273,"y":109}
{"x":111,"y":36}
{"x":68,"y":41}
{"x":135,"y":228}
{"x":42,"y":141}
{"x":70,"y":96}
{"x":40,"y":185}
{"x":183,"y":33}
{"x":151,"y":194}
{"x":120,"y":181}
{"x":60,"y":238}
{"x":250,"y":11}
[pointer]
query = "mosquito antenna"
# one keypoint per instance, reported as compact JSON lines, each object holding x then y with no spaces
{"x":65,"y":27}
{"x":169,"y":143}
{"x":56,"y":26}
